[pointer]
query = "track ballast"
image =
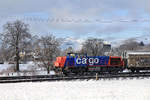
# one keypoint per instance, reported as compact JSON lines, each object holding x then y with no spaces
{"x":41,"y":78}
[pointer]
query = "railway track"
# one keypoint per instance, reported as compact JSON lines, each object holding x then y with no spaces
{"x":41,"y":78}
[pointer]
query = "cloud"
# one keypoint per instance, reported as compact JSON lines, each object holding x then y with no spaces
{"x":76,"y":43}
{"x":78,"y":18}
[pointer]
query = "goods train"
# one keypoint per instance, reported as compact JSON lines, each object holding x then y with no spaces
{"x":81,"y":63}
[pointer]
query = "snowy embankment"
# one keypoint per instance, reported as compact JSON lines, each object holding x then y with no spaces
{"x":129,"y":89}
{"x":30,"y":68}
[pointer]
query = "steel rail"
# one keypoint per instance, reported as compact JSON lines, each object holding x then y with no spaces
{"x":41,"y":78}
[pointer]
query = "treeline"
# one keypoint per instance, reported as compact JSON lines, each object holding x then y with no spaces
{"x":95,"y":47}
{"x":19,"y":45}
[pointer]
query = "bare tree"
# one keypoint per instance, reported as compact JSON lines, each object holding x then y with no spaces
{"x":93,"y":47}
{"x":49,"y":49}
{"x":15,"y":36}
{"x":130,"y":45}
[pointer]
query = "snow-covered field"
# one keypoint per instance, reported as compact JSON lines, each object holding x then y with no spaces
{"x":129,"y":89}
{"x":30,"y":68}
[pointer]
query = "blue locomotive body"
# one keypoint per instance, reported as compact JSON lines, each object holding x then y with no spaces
{"x":76,"y":63}
{"x":91,"y":61}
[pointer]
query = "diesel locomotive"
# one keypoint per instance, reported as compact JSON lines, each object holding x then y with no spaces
{"x":81,"y":63}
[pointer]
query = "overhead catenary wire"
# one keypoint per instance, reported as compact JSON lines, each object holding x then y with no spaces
{"x":73,"y":20}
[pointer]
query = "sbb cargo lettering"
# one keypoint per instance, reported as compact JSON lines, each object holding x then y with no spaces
{"x":89,"y":61}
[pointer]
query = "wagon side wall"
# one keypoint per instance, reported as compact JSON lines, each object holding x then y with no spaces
{"x":139,"y":61}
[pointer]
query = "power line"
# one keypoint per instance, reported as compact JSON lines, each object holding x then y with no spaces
{"x":71,"y":20}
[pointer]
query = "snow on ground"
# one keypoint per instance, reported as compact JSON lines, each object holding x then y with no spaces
{"x":27,"y":66}
{"x":30,"y":68}
{"x":129,"y":89}
{"x":5,"y":66}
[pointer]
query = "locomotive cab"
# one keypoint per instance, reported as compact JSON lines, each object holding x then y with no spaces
{"x":116,"y":61}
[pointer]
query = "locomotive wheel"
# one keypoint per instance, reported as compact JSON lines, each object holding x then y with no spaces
{"x":132,"y":70}
{"x":137,"y":71}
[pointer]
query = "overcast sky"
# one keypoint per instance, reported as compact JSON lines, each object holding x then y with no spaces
{"x":76,"y":20}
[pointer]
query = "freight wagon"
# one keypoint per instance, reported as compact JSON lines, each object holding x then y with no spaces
{"x":136,"y":61}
